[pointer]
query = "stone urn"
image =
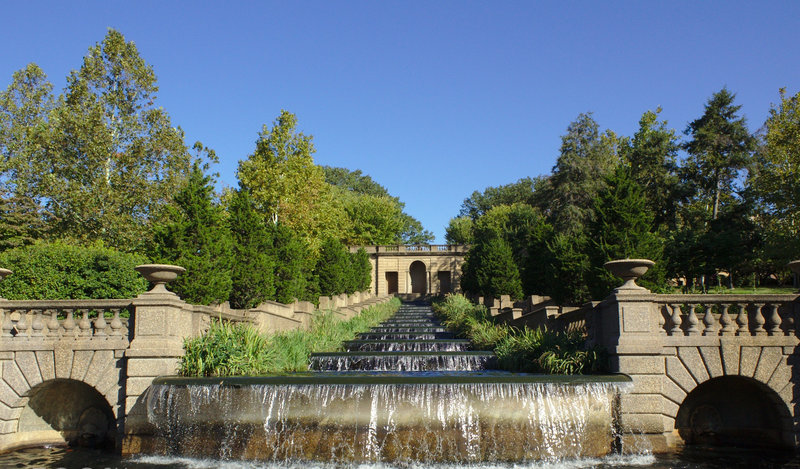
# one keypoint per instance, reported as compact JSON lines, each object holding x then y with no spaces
{"x":795,"y":267}
{"x":629,"y":270}
{"x":159,"y":275}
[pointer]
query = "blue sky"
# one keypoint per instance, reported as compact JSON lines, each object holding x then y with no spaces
{"x":432,"y":99}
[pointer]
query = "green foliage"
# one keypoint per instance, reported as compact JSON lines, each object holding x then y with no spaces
{"x":489,"y":270}
{"x":197,"y":238}
{"x":521,"y":350}
{"x":234,"y":350}
{"x":253,"y":269}
{"x":361,"y":275}
{"x":623,"y":228}
{"x":291,"y":264}
{"x":568,"y":265}
{"x":524,"y":191}
{"x":21,"y":221}
{"x":333,"y":269}
{"x":60,"y":271}
{"x":460,"y":231}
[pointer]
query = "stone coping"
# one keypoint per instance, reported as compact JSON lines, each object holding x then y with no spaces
{"x":379,"y":378}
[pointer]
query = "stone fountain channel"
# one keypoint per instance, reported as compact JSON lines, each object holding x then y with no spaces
{"x":407,"y":391}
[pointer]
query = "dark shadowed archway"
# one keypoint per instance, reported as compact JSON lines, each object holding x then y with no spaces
{"x":419,"y":277}
{"x":734,"y":411}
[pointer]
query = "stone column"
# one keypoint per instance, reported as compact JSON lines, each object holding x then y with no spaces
{"x":161,"y":321}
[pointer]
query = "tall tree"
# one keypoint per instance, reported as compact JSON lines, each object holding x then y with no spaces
{"x":719,"y":149}
{"x":286,"y":184}
{"x":253,"y":269}
{"x":652,"y":157}
{"x":333,"y":269}
{"x":489,"y":269}
{"x":587,"y":156}
{"x":292,"y":261}
{"x":117,"y":159}
{"x":523,"y":191}
{"x":196,"y":237}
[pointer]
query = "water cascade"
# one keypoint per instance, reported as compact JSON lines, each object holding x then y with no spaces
{"x":406,"y":391}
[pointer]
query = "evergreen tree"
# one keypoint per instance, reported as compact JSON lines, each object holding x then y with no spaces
{"x":719,"y":149}
{"x":361,"y":271}
{"x":567,"y":268}
{"x":196,"y":237}
{"x":623,"y":228}
{"x":291,"y":261}
{"x":489,"y":270}
{"x":333,"y":269}
{"x":253,"y":271}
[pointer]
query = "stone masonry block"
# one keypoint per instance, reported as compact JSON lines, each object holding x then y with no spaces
{"x":680,"y":375}
{"x":26,"y":361}
{"x":642,"y":423}
{"x":153,"y":367}
{"x":730,"y":358}
{"x":670,"y":408}
{"x":787,"y":393}
{"x":646,"y":384}
{"x":102,"y":360}
{"x":108,"y":379}
{"x":63,"y":360}
{"x":691,"y":358}
{"x":782,"y":375}
{"x":136,"y":386}
{"x":640,"y":365}
{"x":8,"y":396}
{"x":749,"y":360}
{"x":81,"y":363}
{"x":770,"y":357}
{"x":15,"y":379}
{"x":640,"y":403}
{"x":9,"y":413}
{"x":673,"y":392}
{"x":47,"y":366}
{"x":8,"y":426}
{"x":713,"y":361}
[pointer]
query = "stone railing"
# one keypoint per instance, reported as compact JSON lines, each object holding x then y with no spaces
{"x":414,"y":248}
{"x":726,"y":315}
{"x":55,"y":319}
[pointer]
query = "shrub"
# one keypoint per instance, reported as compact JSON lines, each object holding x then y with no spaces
{"x":59,"y":271}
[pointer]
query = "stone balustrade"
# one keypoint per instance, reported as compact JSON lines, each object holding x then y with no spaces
{"x":414,"y":248}
{"x":726,"y":315}
{"x":57,"y":319}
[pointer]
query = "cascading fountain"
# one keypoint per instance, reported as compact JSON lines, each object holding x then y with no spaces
{"x":407,"y":391}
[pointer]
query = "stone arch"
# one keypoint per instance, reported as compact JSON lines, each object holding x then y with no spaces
{"x":418,"y":272}
{"x":66,"y":411}
{"x":734,"y":411}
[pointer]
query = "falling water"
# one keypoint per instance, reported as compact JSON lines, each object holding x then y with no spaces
{"x":447,"y":422}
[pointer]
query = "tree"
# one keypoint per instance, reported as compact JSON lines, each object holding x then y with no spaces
{"x":116,"y":158}
{"x":523,"y":191}
{"x":288,"y":187}
{"x":196,"y":236}
{"x":361,"y":271}
{"x":774,"y":181}
{"x":333,"y":269}
{"x":460,"y":230}
{"x":291,"y":264}
{"x":21,"y":222}
{"x":489,"y":270}
{"x":652,"y":158}
{"x":253,"y":270}
{"x":623,"y":228}
{"x":579,"y":174}
{"x":719,"y":149}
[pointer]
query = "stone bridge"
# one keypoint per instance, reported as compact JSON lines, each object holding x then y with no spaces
{"x":75,"y":371}
{"x":705,"y":368}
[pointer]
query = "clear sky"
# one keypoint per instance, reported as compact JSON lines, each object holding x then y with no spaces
{"x":432,"y":99}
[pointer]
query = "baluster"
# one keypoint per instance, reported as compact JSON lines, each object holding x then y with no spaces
{"x":100,"y":324}
{"x":709,"y":320}
{"x":69,"y":323}
{"x":742,"y":320}
{"x":662,"y":321}
{"x":52,"y":324}
{"x":37,"y":325}
{"x":116,"y":323}
{"x":758,"y":319}
{"x":22,"y":324}
{"x":7,"y":323}
{"x":85,"y":327}
{"x":774,"y":320}
{"x":676,"y":321}
{"x":726,"y":321}
{"x":691,"y":320}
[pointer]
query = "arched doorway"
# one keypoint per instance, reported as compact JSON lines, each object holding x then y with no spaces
{"x":419,"y":278}
{"x":71,"y":411}
{"x":734,"y":411}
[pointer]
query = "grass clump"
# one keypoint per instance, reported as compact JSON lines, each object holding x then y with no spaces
{"x":521,"y":350}
{"x":238,"y":349}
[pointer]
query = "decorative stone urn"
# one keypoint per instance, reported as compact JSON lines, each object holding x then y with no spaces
{"x":795,"y":266}
{"x":3,"y":274}
{"x":159,"y":275}
{"x":629,"y":270}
